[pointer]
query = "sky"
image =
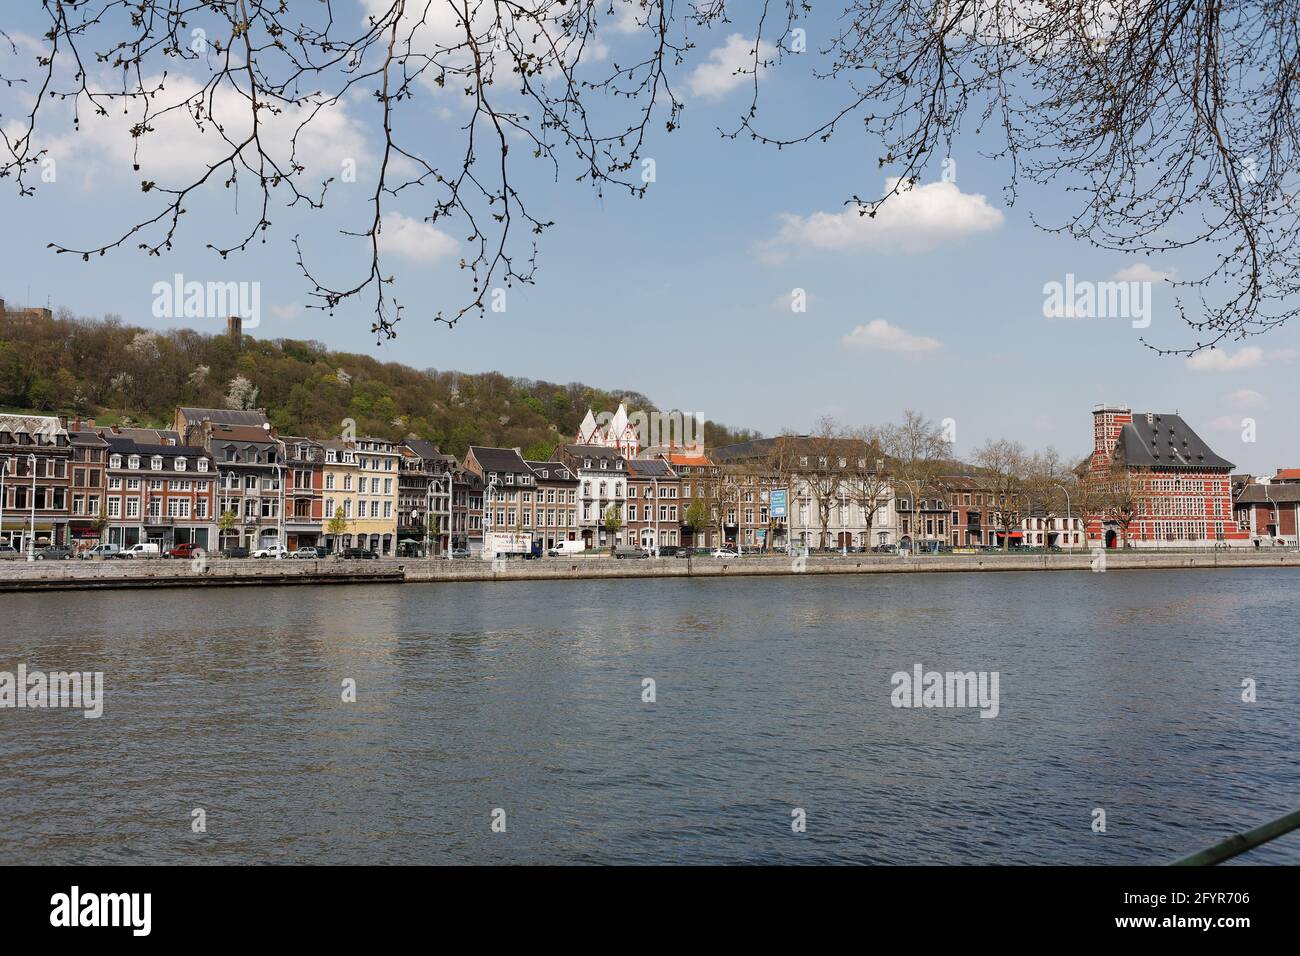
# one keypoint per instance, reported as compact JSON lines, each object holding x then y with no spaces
{"x":685,"y":295}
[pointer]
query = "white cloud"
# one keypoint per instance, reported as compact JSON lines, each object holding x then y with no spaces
{"x":879,"y":335}
{"x":179,"y":150}
{"x":728,"y":67}
{"x":914,"y":220}
{"x":1246,"y":399}
{"x":413,"y":239}
{"x":1143,"y":272}
{"x":1250,"y":356}
{"x":287,"y":312}
{"x":1225,"y":423}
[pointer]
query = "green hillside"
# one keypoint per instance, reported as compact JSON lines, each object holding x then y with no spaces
{"x":122,"y":374}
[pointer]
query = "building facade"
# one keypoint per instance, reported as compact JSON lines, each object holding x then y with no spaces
{"x":556,"y":509}
{"x":424,"y":498}
{"x":1177,"y":492}
{"x":249,"y":461}
{"x":654,"y":504}
{"x":35,"y":460}
{"x":304,"y":485}
{"x":159,"y":494}
{"x":602,"y":491}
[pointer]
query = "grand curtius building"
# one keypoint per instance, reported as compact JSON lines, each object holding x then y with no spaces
{"x":1180,"y":490}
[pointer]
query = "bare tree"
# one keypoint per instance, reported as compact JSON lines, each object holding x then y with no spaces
{"x":867,"y":483}
{"x":1006,"y":471}
{"x":819,"y":470}
{"x":919,"y":455}
{"x":1173,"y":123}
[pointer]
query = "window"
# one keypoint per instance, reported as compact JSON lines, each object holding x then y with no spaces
{"x":180,"y":463}
{"x":133,"y":507}
{"x":115,"y":461}
{"x":114,"y":506}
{"x":155,"y":463}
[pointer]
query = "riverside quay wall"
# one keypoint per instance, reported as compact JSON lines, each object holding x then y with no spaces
{"x":63,"y":575}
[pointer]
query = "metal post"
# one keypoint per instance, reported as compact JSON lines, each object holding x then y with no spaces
{"x":4,"y":469}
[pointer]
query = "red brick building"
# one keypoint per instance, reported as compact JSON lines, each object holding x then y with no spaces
{"x":654,"y":504}
{"x":1179,"y":488}
{"x":1269,"y":511}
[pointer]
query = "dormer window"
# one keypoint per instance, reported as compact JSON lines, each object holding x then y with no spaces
{"x":604,"y":463}
{"x":115,"y":461}
{"x":133,"y":462}
{"x":155,"y":463}
{"x":203,"y":464}
{"x":586,"y":463}
{"x":180,"y":463}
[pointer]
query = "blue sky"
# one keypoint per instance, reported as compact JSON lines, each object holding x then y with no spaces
{"x":684,"y":295}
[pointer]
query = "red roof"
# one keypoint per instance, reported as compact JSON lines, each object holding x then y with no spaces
{"x":1287,"y":474}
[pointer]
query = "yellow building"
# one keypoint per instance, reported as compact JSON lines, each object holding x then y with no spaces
{"x":361,"y":481}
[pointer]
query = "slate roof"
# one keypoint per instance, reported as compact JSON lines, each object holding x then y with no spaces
{"x":423,"y":449}
{"x":47,"y":425}
{"x":650,"y":468}
{"x":1166,"y":441}
{"x":500,"y":459}
{"x":227,"y":416}
{"x":1275,"y":493}
{"x":122,"y":445}
{"x":555,"y":471}
{"x":594,"y":452}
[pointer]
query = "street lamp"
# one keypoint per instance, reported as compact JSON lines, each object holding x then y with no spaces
{"x":31,"y":541}
{"x":1069,"y":520}
{"x":4,"y":470}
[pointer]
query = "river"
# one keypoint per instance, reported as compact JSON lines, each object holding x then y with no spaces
{"x":522,"y":703}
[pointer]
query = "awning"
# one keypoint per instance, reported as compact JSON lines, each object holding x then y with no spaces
{"x":17,"y":524}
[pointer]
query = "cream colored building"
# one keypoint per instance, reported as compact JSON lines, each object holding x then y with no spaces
{"x":360,"y":479}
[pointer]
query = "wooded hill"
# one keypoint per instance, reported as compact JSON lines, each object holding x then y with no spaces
{"x":123,"y":374}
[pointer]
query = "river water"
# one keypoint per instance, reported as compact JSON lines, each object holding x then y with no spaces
{"x":1119,"y":692}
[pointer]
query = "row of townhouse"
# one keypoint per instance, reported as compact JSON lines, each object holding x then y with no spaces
{"x":221,"y":478}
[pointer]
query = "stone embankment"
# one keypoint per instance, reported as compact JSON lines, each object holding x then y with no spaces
{"x":64,"y":575}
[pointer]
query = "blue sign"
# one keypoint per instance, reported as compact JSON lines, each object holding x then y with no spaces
{"x":778,"y":503}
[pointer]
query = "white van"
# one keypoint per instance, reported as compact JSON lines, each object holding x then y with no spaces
{"x":141,"y":550}
{"x":564,"y":549}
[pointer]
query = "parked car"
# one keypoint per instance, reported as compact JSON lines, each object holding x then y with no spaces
{"x":669,"y":550}
{"x":104,"y":551}
{"x":186,"y":549}
{"x":54,"y":552}
{"x":724,"y":553}
{"x":234,"y":552}
{"x":272,"y":551}
{"x":310,"y":551}
{"x":885,"y":549}
{"x":459,"y":553}
{"x":356,"y":554}
{"x":145,"y":549}
{"x":629,"y":551}
{"x":9,"y":553}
